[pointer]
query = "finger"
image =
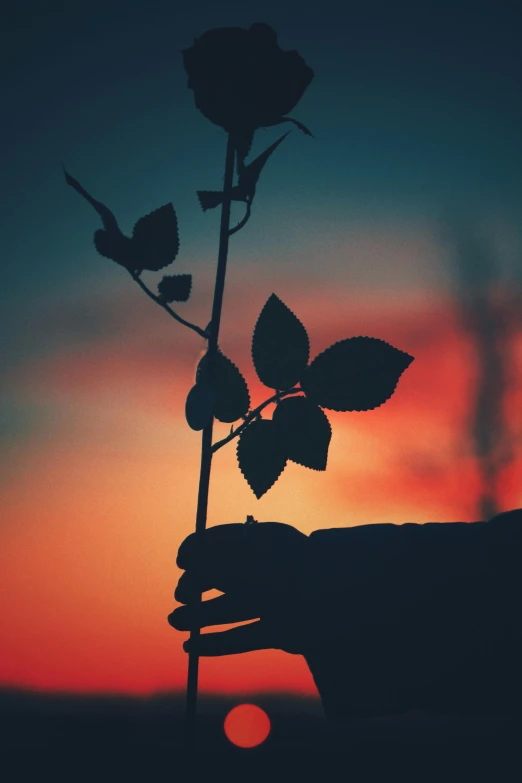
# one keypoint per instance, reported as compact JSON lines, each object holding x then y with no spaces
{"x":230,"y":541}
{"x":221,"y":537}
{"x":246,"y":638}
{"x":216,"y":611}
{"x":222,"y":564}
{"x":191,"y":584}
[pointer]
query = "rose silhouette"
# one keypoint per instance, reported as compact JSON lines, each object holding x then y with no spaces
{"x":242,"y":80}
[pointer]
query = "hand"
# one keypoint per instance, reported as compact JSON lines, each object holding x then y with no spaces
{"x":302,"y":601}
{"x":301,"y":598}
{"x":263,"y":570}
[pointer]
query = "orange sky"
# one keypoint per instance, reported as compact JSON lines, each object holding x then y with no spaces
{"x":95,"y":508}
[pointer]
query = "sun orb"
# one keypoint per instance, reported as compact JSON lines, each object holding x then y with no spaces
{"x":247,"y":726}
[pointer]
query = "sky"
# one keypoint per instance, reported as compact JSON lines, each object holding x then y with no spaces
{"x":416,"y":113}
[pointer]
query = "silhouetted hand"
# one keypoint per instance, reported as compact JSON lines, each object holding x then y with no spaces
{"x":264,"y":572}
{"x":389,"y":618}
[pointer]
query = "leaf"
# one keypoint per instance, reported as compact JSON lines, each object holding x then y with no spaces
{"x":209,"y":199}
{"x":175,"y":288}
{"x":260,"y":455}
{"x":357,"y":374}
{"x":231,"y":397}
{"x":249,"y":175}
{"x":199,"y":406}
{"x":280,"y":345}
{"x":156,"y":238}
{"x":154,"y":243}
{"x":305,"y":431}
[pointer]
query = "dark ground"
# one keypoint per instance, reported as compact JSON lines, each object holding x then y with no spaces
{"x":102,"y":738}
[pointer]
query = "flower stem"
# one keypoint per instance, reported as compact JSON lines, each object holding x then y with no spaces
{"x":206,"y":441}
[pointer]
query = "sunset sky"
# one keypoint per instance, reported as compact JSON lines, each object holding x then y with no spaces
{"x":416,"y":115}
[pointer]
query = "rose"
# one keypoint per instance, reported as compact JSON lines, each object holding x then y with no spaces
{"x":242,"y":80}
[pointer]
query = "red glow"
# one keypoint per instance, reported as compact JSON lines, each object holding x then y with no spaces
{"x":95,"y":504}
{"x":247,"y":726}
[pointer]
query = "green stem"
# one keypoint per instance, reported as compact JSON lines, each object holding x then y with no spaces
{"x":206,"y":442}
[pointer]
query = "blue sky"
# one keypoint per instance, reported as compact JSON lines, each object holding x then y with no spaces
{"x":413,"y":110}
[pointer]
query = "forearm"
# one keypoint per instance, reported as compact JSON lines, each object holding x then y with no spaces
{"x":433,"y":624}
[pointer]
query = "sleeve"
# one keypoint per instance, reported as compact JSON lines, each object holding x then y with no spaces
{"x":422,"y":616}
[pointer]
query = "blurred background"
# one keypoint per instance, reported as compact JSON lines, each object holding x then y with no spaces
{"x":399,"y":220}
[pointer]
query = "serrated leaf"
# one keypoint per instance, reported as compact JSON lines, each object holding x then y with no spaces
{"x":231,"y":397}
{"x":260,"y":455}
{"x":209,"y":199}
{"x":199,"y":406}
{"x":280,"y":345}
{"x":175,"y":288}
{"x":305,"y":431}
{"x":156,"y":238}
{"x":357,"y":374}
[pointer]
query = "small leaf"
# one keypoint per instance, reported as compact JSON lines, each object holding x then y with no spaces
{"x":231,"y":397}
{"x":280,"y":345}
{"x":175,"y":288}
{"x":209,"y":199}
{"x":199,"y":406}
{"x":156,"y":238}
{"x":260,"y":455}
{"x":357,"y":374}
{"x":305,"y":431}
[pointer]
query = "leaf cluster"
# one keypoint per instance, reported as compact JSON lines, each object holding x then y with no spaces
{"x":354,"y":374}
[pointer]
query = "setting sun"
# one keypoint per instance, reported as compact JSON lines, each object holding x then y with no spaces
{"x":247,"y":725}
